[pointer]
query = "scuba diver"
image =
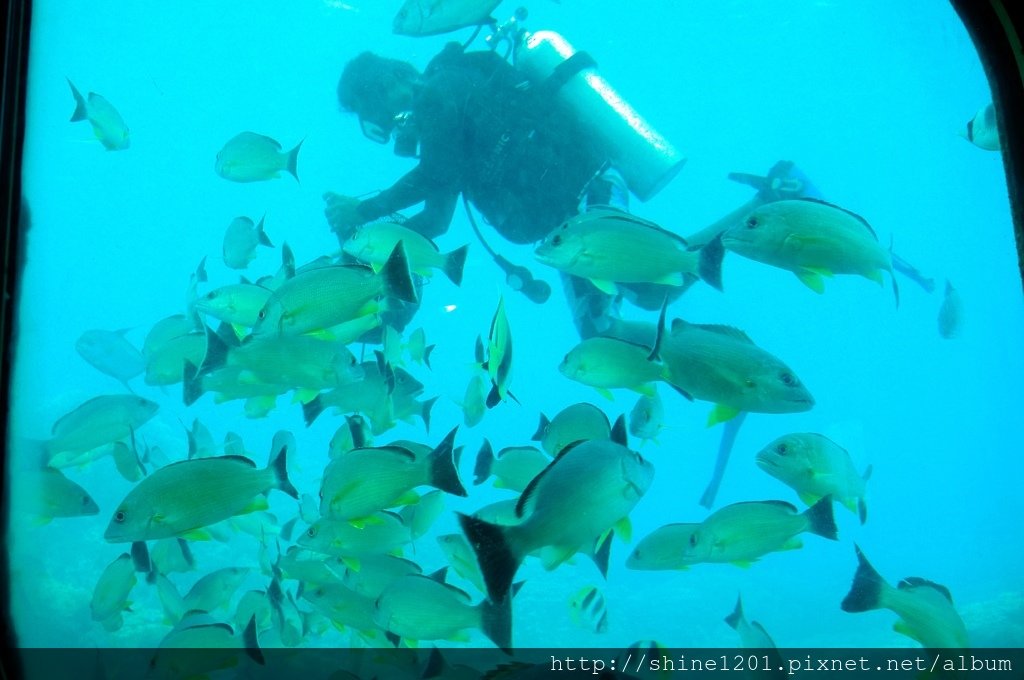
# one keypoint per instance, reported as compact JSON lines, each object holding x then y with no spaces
{"x":516,"y":151}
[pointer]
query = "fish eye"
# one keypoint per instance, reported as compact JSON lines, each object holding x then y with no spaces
{"x":788,"y":379}
{"x":693,"y":540}
{"x":212,"y":294}
{"x":311,"y":532}
{"x":751,"y":222}
{"x":556,"y":240}
{"x":85,"y":500}
{"x":781,"y":449}
{"x":750,"y":383}
{"x":262,"y":314}
{"x":639,"y":458}
{"x":119,"y":516}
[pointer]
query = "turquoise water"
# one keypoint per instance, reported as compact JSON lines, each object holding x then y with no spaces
{"x":866,"y":97}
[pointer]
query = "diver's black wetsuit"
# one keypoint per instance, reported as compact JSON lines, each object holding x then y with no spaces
{"x":510,"y":147}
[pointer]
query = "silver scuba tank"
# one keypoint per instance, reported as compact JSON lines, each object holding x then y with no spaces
{"x":646,"y":160}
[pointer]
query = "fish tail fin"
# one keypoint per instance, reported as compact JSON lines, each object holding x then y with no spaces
{"x":867,"y":587}
{"x":709,"y":264}
{"x":140,"y":558}
{"x":80,"y":108}
{"x":426,"y":355}
{"x":425,"y":412}
{"x":262,"y":235}
{"x":443,"y":473}
{"x":216,"y":351}
{"x":192,"y":383}
{"x":484,"y":463}
{"x":454,"y":262}
{"x":312,"y":409}
{"x":252,"y":642}
{"x":279,"y":464}
{"x":397,"y":279}
{"x":293,"y":161}
{"x":496,"y":622}
{"x":737,"y":614}
{"x":602,"y":554}
{"x":498,"y":559}
{"x":539,"y":434}
{"x":493,"y":397}
{"x":821,"y":520}
{"x":655,"y":354}
{"x":862,"y":510}
{"x":895,"y":288}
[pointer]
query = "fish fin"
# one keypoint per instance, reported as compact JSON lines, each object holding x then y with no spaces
{"x":792,"y":544}
{"x":262,"y":235}
{"x":454,"y":262}
{"x":198,"y":535}
{"x":352,"y":563}
{"x":484,"y":463}
{"x":552,"y":556}
{"x":606,"y":287}
{"x":862,"y":510}
{"x":709,"y":264}
{"x":497,"y":557}
{"x":541,"y":427}
{"x":408,"y":498}
{"x":721,"y":413}
{"x":867,"y":587}
{"x":620,"y":432}
{"x":398,"y":281}
{"x":809,"y":499}
{"x":496,"y":621}
{"x":258,"y":504}
{"x":744,"y":564}
{"x":903,"y":628}
{"x":606,"y":393}
{"x":304,"y":395}
{"x":602,"y":553}
{"x":812,"y":280}
{"x":671,"y":279}
{"x":293,"y":161}
{"x":876,"y":276}
{"x":733,"y":620}
{"x":820,"y":519}
{"x":279,"y":464}
{"x":624,"y":529}
{"x":443,"y":473}
{"x":81,"y":112}
{"x":647,"y":389}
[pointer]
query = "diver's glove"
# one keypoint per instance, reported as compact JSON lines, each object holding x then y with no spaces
{"x":342,"y":214}
{"x":784,"y":181}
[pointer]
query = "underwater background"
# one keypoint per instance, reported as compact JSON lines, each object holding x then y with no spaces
{"x":866,"y":97}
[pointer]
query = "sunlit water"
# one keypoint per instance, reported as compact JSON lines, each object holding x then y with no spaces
{"x":866,"y":97}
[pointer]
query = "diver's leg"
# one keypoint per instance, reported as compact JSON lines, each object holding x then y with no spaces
{"x":912,"y":273}
{"x":593,"y":311}
{"x":783,"y":181}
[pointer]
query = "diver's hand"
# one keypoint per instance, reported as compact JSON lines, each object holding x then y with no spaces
{"x":342,"y":213}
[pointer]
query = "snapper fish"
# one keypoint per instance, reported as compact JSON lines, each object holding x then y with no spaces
{"x":739,"y":533}
{"x":110,"y":352}
{"x":591,"y":487}
{"x":250,"y":157}
{"x":646,"y":419}
{"x":432,"y":17}
{"x":183,"y":498}
{"x":925,"y":608}
{"x":752,"y":634}
{"x":514,"y":467}
{"x":609,"y":363}
{"x":106,"y":122}
{"x":608,"y":247}
{"x":102,"y":420}
{"x":110,"y":597}
{"x":813,"y":239}
{"x":240,"y":241}
{"x":51,"y":494}
{"x":721,"y":364}
{"x":372,"y":243}
{"x":982,"y":130}
{"x":573,"y":423}
{"x":815,"y":466}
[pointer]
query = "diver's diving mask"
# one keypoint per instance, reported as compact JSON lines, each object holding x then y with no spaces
{"x":403,"y":129}
{"x":375,"y":132}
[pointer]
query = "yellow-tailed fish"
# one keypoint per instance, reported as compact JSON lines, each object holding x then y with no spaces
{"x":378,"y":534}
{"x":513,"y":468}
{"x":610,"y":363}
{"x":318,"y":299}
{"x":361,"y":482}
{"x":107,"y":124}
{"x":588,"y":489}
{"x":925,"y":608}
{"x":499,"y":356}
{"x":722,"y":365}
{"x":812,"y":239}
{"x":250,"y":157}
{"x":462,"y":559}
{"x":815,"y":466}
{"x":343,"y":606}
{"x":739,"y":533}
{"x":97,"y":422}
{"x":238,"y":304}
{"x":647,"y":417}
{"x":201,"y":645}
{"x":50,"y":494}
{"x":240,"y":241}
{"x":573,"y":423}
{"x":609,"y":247}
{"x":431,"y":17}
{"x":373,"y":243}
{"x":418,"y":607}
{"x":185,"y":497}
{"x":374,"y":573}
{"x":420,"y":515}
{"x":111,"y":353}
{"x":110,"y":597}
